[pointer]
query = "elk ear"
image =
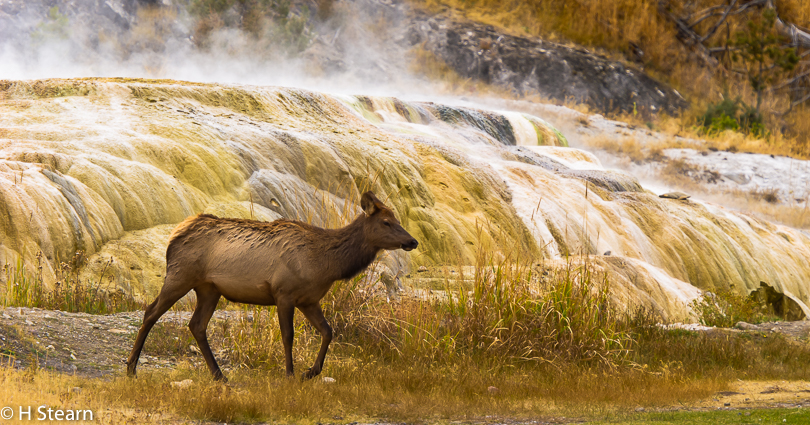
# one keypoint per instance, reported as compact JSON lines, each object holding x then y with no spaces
{"x":370,"y":204}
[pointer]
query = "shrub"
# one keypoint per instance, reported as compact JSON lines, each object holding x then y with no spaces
{"x":732,"y":115}
{"x":726,"y":308}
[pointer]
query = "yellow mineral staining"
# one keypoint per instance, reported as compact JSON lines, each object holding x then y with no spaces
{"x":110,"y":166}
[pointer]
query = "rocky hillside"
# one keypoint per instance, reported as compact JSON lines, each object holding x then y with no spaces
{"x":532,"y":66}
{"x":360,"y":41}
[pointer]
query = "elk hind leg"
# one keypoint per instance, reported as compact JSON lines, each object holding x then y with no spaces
{"x":169,"y":295}
{"x":314,"y":314}
{"x":207,"y":299}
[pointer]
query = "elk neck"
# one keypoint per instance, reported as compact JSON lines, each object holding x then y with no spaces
{"x":347,"y":251}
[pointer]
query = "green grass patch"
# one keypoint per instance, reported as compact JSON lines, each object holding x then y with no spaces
{"x":715,"y":417}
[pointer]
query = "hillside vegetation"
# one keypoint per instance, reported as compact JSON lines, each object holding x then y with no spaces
{"x":702,"y":48}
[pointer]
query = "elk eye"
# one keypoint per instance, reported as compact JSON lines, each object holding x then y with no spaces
{"x":387,"y":223}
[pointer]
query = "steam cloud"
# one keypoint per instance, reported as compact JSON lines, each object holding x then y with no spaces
{"x":353,"y":50}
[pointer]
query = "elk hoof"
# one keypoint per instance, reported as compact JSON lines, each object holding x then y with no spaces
{"x":131,"y":370}
{"x":309,"y":374}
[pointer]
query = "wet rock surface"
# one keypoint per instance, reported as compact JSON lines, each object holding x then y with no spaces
{"x":533,"y":66}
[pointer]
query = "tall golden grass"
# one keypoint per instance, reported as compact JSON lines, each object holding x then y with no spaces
{"x":26,"y":287}
{"x":621,"y":28}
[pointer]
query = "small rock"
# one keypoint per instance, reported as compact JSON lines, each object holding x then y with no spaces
{"x":746,"y":326}
{"x":119,"y":331}
{"x":29,"y":323}
{"x":144,"y":361}
{"x":328,"y":380}
{"x":738,"y":177}
{"x":493,"y":390}
{"x":422,"y":269}
{"x":50,"y":348}
{"x":76,"y":390}
{"x":182,"y":384}
{"x":194,"y":349}
{"x":72,"y":356}
{"x":607,"y":254}
{"x":639,"y":409}
{"x":675,"y":195}
{"x":726,"y":404}
{"x":6,"y":316}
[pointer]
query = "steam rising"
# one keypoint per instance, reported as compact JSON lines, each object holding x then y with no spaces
{"x":341,"y":47}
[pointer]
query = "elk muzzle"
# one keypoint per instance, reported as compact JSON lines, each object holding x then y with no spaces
{"x":410,"y":245}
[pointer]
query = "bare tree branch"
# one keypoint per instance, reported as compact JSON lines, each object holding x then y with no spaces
{"x":708,"y":13}
{"x":800,"y":101}
{"x":799,"y":37}
{"x":751,"y":4}
{"x":790,"y":81}
{"x":687,"y":35}
{"x":717,"y":24}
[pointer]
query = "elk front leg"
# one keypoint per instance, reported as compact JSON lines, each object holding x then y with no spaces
{"x":285,"y":322}
{"x":314,"y":314}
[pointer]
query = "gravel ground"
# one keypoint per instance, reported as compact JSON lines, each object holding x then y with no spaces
{"x":80,"y":343}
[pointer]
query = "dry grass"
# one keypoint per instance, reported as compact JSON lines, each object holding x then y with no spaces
{"x":609,"y":24}
{"x":614,"y":26}
{"x":34,"y":387}
{"x":27,"y":288}
{"x":362,"y":391}
{"x":436,"y":359}
{"x":548,"y":340}
{"x":638,"y":152}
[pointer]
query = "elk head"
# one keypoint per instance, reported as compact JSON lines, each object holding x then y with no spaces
{"x":382,"y":229}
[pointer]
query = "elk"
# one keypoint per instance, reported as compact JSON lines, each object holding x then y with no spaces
{"x":285,"y":263}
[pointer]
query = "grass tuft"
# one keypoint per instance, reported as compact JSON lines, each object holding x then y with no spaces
{"x":28,"y":289}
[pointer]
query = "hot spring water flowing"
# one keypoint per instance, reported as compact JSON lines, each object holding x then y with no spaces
{"x":109,"y":167}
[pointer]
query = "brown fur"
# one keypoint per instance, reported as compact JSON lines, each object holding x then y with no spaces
{"x":284,"y":263}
